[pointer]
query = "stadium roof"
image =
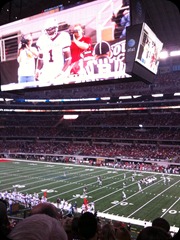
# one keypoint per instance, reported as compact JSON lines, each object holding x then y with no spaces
{"x":164,"y":15}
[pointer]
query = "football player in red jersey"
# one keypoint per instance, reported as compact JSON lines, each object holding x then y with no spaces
{"x":54,"y":52}
{"x":81,"y":48}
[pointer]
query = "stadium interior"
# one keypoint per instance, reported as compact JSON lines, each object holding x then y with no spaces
{"x":105,"y":121}
{"x":142,"y":113}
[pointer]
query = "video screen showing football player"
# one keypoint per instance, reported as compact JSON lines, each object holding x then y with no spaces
{"x":26,"y":59}
{"x":81,"y":47}
{"x":54,"y":53}
{"x":103,"y":66}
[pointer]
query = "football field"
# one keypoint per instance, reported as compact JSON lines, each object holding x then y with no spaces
{"x":158,"y":198}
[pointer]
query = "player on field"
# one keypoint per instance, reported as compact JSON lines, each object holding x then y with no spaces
{"x":99,"y":180}
{"x":139,"y":186}
{"x":164,"y":180}
{"x":85,"y":191}
{"x":58,"y":201}
{"x":123,"y":195}
{"x":92,"y":208}
{"x":168,"y":180}
{"x":75,"y":207}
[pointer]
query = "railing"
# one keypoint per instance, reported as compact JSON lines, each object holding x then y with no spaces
{"x":8,"y":47}
{"x":104,"y":17}
{"x":107,"y":10}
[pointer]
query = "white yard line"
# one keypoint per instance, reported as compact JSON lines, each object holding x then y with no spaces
{"x":39,"y":179}
{"x":170,"y":207}
{"x":86,"y":185}
{"x":152,"y":199}
{"x":128,"y":197}
{"x":60,"y":181}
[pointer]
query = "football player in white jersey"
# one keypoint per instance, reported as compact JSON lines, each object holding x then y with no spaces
{"x":123,"y":195}
{"x":54,"y":53}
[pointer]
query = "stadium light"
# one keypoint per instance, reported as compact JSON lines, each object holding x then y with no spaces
{"x":157,"y":95}
{"x":8,"y":99}
{"x":137,"y":96}
{"x":125,"y":97}
{"x":105,"y":98}
{"x":175,"y":53}
{"x":164,"y":55}
{"x":35,"y":100}
{"x":69,"y":117}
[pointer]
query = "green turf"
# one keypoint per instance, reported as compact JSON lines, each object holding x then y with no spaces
{"x":154,"y":201}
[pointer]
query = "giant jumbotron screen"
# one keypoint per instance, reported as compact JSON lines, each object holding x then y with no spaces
{"x":48,"y":61}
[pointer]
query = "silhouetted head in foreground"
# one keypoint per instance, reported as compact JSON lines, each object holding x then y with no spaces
{"x":153,"y":233}
{"x":38,"y":227}
{"x":87,"y":226}
{"x":161,"y":223}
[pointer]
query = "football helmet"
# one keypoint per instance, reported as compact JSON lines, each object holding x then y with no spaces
{"x":51,"y":28}
{"x":102,"y":48}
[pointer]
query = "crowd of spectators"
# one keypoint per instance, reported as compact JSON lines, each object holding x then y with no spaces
{"x":130,"y":120}
{"x":104,"y":134}
{"x":153,"y":135}
{"x":149,"y":119}
{"x":134,"y":151}
{"x":135,"y":135}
